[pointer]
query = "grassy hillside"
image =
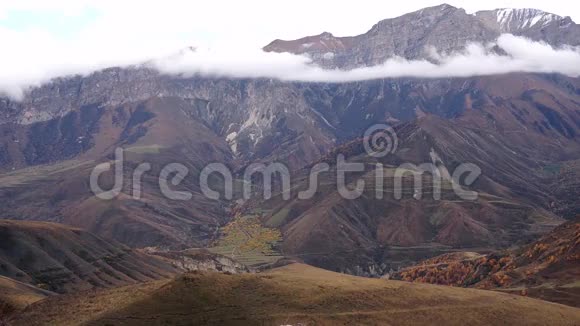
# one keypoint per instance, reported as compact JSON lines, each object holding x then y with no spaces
{"x":63,"y":259}
{"x":293,"y":294}
{"x":16,"y":295}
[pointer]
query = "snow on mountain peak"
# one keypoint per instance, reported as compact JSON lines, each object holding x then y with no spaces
{"x":514,"y":19}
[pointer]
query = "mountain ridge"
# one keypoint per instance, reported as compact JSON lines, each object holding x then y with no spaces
{"x":412,"y":36}
{"x":63,"y":259}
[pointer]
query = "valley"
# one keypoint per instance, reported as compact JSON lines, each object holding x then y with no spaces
{"x":421,"y":243}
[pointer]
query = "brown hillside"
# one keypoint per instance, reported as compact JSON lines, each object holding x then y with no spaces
{"x":63,"y":259}
{"x":292,"y":295}
{"x":548,"y":268}
{"x":16,"y":296}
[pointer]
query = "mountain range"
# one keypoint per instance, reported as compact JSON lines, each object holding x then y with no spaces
{"x":445,"y":28}
{"x":521,"y":129}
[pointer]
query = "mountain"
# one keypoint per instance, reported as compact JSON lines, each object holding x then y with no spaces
{"x":532,"y":23}
{"x":294,"y":294}
{"x":62,"y":193}
{"x":68,"y":256}
{"x":373,"y":235}
{"x":445,"y":28}
{"x":521,"y":129}
{"x":217,"y":118}
{"x":546,"y":269}
{"x":63,"y":259}
{"x":191,"y":127}
{"x":530,"y":121}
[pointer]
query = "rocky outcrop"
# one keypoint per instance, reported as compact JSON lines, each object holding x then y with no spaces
{"x":201,"y":260}
{"x":254,"y":116}
{"x":415,"y":35}
{"x":534,"y":24}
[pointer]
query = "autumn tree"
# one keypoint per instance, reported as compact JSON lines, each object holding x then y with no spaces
{"x":247,"y":234}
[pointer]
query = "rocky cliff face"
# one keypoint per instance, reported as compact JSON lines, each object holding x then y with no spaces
{"x":68,"y":117}
{"x":414,"y":35}
{"x":253,"y":116}
{"x":534,"y":24}
{"x":200,"y":260}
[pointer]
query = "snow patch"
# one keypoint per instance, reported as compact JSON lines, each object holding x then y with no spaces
{"x":231,"y":139}
{"x":328,"y":55}
{"x":517,"y":19}
{"x":231,"y":136}
{"x":323,"y":118}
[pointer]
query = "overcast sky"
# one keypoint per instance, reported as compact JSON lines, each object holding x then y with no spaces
{"x":205,"y":22}
{"x":43,"y":38}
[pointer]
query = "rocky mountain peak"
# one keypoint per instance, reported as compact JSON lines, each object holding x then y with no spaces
{"x":321,"y":43}
{"x":326,"y":35}
{"x":444,"y":27}
{"x":510,"y":20}
{"x":426,"y":16}
{"x":439,"y":10}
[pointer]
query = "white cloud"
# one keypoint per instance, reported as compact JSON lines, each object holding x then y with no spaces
{"x":125,"y":32}
{"x":523,"y":55}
